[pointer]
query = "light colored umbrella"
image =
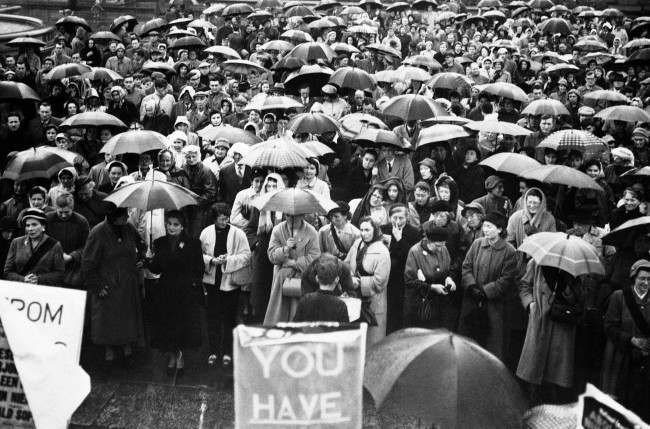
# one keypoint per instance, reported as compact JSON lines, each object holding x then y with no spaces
{"x":294,"y":201}
{"x":41,"y":162}
{"x":278,"y":45}
{"x":137,"y":141}
{"x":224,"y":51}
{"x":412,"y":73}
{"x":243,"y":67}
{"x":498,"y":127}
{"x":232,"y":134}
{"x":505,"y":90}
{"x":587,"y":143}
{"x":422,"y":60}
{"x":105,"y":37}
{"x":545,"y":107}
{"x":102,"y":74}
{"x":566,"y":252}
{"x":510,"y":162}
{"x":354,"y":123}
{"x":344,"y":48}
{"x":412,"y":107}
{"x":297,"y":36}
{"x":158,"y":66}
{"x":363,"y":29}
{"x":152,"y":194}
{"x":440,"y":133}
{"x":67,"y":70}
{"x":561,"y":175}
{"x":26,"y":41}
{"x":373,"y":137}
{"x":453,"y":81}
{"x":316,"y":148}
{"x":202,"y":23}
{"x":313,"y":123}
{"x":624,"y":113}
{"x":92,"y":119}
{"x":606,"y":95}
{"x":277,"y":153}
{"x":263,"y":101}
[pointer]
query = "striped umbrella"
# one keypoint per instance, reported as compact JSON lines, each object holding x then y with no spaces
{"x":354,"y":123}
{"x":566,"y":252}
{"x":138,"y":141}
{"x":293,"y":201}
{"x":153,"y":194}
{"x":572,"y":139}
{"x":545,"y":107}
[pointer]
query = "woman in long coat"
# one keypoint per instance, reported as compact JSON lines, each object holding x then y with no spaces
{"x":627,"y":354}
{"x":110,"y":264}
{"x":369,"y":262}
{"x":178,"y":260}
{"x":293,"y":246}
{"x":548,"y":354}
{"x":488,"y":275}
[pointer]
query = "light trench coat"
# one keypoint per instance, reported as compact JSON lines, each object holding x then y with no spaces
{"x":239,"y":256}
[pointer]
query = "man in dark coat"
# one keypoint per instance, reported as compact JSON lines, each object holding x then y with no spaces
{"x":323,"y":305}
{"x":89,"y":203}
{"x":71,"y":230}
{"x":233,"y":178}
{"x":17,"y":203}
{"x":201,"y":183}
{"x":37,"y":125}
{"x":14,"y":137}
{"x":403,"y":236}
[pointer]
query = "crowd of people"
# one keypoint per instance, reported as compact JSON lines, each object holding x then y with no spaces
{"x":422,"y":233}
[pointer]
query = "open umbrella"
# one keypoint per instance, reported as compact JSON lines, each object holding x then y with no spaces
{"x":559,"y":8}
{"x":312,"y":51}
{"x":424,"y":4}
{"x":373,"y":137}
{"x":600,"y":58}
{"x":446,"y":15}
{"x":398,"y":6}
{"x":642,"y":42}
{"x":71,"y":22}
{"x":540,"y":4}
{"x":422,"y":60}
{"x":327,"y":4}
{"x":158,"y":66}
{"x":224,"y":51}
{"x":290,"y":64}
{"x":355,"y":123}
{"x":41,"y":162}
{"x":214,"y":8}
{"x":153,"y":194}
{"x":297,"y":36}
{"x":298,"y":10}
{"x":105,"y":37}
{"x":640,"y":29}
{"x":412,"y":107}
{"x":498,"y":127}
{"x":384,"y":50}
{"x":611,"y":13}
{"x":411,"y":73}
{"x":313,"y":123}
{"x":562,"y":68}
{"x":188,"y":42}
{"x":263,"y":102}
{"x":232,"y":134}
{"x":452,"y":81}
{"x":92,"y":119}
{"x":181,"y":22}
{"x":487,"y":4}
{"x":17,"y":91}
{"x":314,"y":76}
{"x":176,"y":33}
{"x":624,"y":113}
{"x":344,"y":48}
{"x":445,"y":119}
{"x":561,"y":175}
{"x":475,"y":19}
{"x":237,"y":9}
{"x":440,"y":133}
{"x":605,"y":95}
{"x":156,"y":24}
{"x":371,"y":3}
{"x":278,"y":45}
{"x":505,"y":90}
{"x":386,"y":76}
{"x":495,"y":15}
{"x":242,"y":67}
{"x":549,"y":56}
{"x":587,"y":143}
{"x":67,"y":70}
{"x":353,"y":78}
{"x":352,"y":10}
{"x":316,"y":148}
{"x":590,"y":45}
{"x":125,"y":20}
{"x":547,"y":106}
{"x":277,"y":153}
{"x":566,"y":252}
{"x":443,"y":380}
{"x":138,"y":141}
{"x":102,"y":74}
{"x":623,"y":233}
{"x":293,"y":201}
{"x":555,"y":26}
{"x":639,"y":57}
{"x":510,"y":162}
{"x":25,"y":41}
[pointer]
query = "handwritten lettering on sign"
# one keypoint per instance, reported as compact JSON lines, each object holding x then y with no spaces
{"x":14,"y":410}
{"x":300,"y":379}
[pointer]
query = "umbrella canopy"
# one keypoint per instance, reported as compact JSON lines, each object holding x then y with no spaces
{"x":232,"y":134}
{"x":590,"y":45}
{"x":611,"y":13}
{"x":316,"y":148}
{"x":384,"y":50}
{"x":566,"y":252}
{"x":313,"y":123}
{"x":571,"y":139}
{"x":242,"y":67}
{"x":73,"y":21}
{"x":312,"y":51}
{"x":158,"y":66}
{"x":540,"y":4}
{"x":505,"y":90}
{"x":495,"y":15}
{"x":26,"y":41}
{"x":105,"y":37}
{"x":288,"y":64}
{"x":561,"y":175}
{"x":562,"y":68}
{"x":353,"y":78}
{"x":412,"y":107}
{"x":487,"y":4}
{"x":412,"y":73}
{"x":639,"y":57}
{"x":17,"y":91}
{"x":294,"y":201}
{"x":153,"y":194}
{"x":297,"y":36}
{"x":237,"y":9}
{"x":222,"y":50}
{"x":627,"y":231}
{"x":452,"y":81}
{"x":156,"y":24}
{"x":547,"y":106}
{"x":624,"y":113}
{"x":138,"y":141}
{"x":355,"y":123}
{"x":398,"y":6}
{"x":600,"y":58}
{"x":125,"y":20}
{"x":422,"y":60}
{"x":424,"y":4}
{"x":549,"y":56}
{"x":352,"y":10}
{"x":188,"y":42}
{"x":214,"y":9}
{"x":92,"y":119}
{"x":67,"y":70}
{"x":315,"y":76}
{"x":202,"y":23}
{"x":181,"y":22}
{"x":277,"y":153}
{"x":344,"y":48}
{"x":41,"y":162}
{"x":327,"y":4}
{"x":263,"y":101}
{"x":447,"y":119}
{"x":102,"y":74}
{"x":606,"y":95}
{"x":373,"y":137}
{"x":278,"y":45}
{"x":298,"y":10}
{"x":440,"y":133}
{"x":498,"y":127}
{"x":510,"y":162}
{"x":443,"y":379}
{"x":555,"y":26}
{"x":643,"y":42}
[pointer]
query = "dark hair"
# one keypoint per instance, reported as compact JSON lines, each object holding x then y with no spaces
{"x":423,"y":186}
{"x":220,"y":209}
{"x":535,"y":193}
{"x":15,"y":113}
{"x":395,"y":207}
{"x":371,"y":152}
{"x":591,"y":162}
{"x":176,"y":214}
{"x":377,"y":234}
{"x":160,"y":83}
{"x":327,"y":269}
{"x":37,"y":190}
{"x":315,"y":163}
{"x":545,"y":117}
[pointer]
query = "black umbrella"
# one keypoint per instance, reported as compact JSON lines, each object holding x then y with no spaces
{"x":555,"y":26}
{"x":288,"y":64}
{"x":314,"y":76}
{"x":71,"y":22}
{"x":124,"y":20}
{"x":424,"y":4}
{"x":156,"y":24}
{"x":17,"y":91}
{"x":397,"y":7}
{"x":104,"y":37}
{"x":237,"y":9}
{"x":640,"y":29}
{"x":25,"y":41}
{"x":640,"y":57}
{"x":188,"y":42}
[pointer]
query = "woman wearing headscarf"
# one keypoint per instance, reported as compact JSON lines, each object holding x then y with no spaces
{"x":116,"y":170}
{"x":167,"y":166}
{"x":369,"y":262}
{"x":372,"y":204}
{"x":293,"y":246}
{"x":179,"y":261}
{"x":627,"y":354}
{"x":259,"y":235}
{"x":35,"y":257}
{"x":531,"y":219}
{"x":488,"y":274}
{"x":630,"y":209}
{"x":395,"y":192}
{"x":110,"y":264}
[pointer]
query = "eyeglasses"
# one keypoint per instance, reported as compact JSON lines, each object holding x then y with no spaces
{"x":377,"y":196}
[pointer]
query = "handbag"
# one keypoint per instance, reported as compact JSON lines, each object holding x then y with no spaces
{"x":425,"y":309}
{"x":562,"y":310}
{"x":292,"y":287}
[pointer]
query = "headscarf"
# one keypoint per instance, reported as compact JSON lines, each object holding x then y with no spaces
{"x":266,"y":223}
{"x":363,"y":209}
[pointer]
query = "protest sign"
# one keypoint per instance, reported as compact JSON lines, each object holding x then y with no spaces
{"x":299,"y":375}
{"x":40,"y":344}
{"x":597,"y":410}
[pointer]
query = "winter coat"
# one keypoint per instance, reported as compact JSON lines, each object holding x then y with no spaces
{"x":376,"y":262}
{"x":522,"y":224}
{"x":548,"y":354}
{"x":493,"y":268}
{"x":321,"y":306}
{"x":72,"y":233}
{"x":470,"y":181}
{"x":239,"y":257}
{"x":282,"y":308}
{"x":49,"y":268}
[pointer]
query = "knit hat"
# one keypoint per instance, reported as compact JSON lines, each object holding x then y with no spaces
{"x":428,"y":162}
{"x":641,"y":263}
{"x":638,"y":131}
{"x":624,"y":153}
{"x":497,"y":219}
{"x":492,"y":181}
{"x":33,"y":213}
